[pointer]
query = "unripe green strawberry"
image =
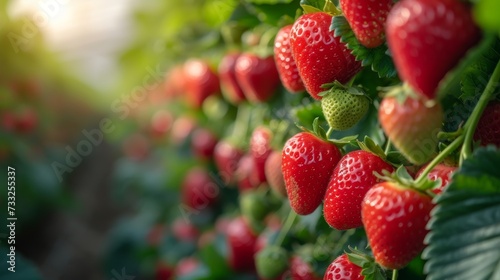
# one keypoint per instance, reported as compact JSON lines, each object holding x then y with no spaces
{"x":271,"y":262}
{"x":254,"y":206}
{"x":343,"y":109}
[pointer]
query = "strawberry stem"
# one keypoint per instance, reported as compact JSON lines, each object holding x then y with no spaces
{"x":280,"y":134}
{"x":286,"y":227}
{"x":440,"y":157}
{"x":387,"y":146}
{"x":394,"y":274}
{"x":240,"y":128}
{"x":343,"y":240}
{"x":329,"y":133}
{"x":469,"y":127}
{"x":266,"y":41}
{"x":331,"y":9}
{"x":471,"y":124}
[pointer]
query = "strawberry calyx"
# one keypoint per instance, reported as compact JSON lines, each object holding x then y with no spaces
{"x":370,"y":146}
{"x":317,"y":130}
{"x":403,"y":179}
{"x":370,"y":269}
{"x":328,"y":8}
{"x":336,"y":86}
{"x":320,"y":132}
{"x":404,"y":91}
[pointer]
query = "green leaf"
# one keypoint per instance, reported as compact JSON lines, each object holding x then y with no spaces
{"x":273,"y":13}
{"x":462,"y":87}
{"x":269,"y":1}
{"x":480,"y":68}
{"x":312,"y":5}
{"x":216,"y":12}
{"x":310,"y":221}
{"x":377,"y":58}
{"x":395,"y":157}
{"x":370,"y":146}
{"x":305,"y":114}
{"x":212,"y":256}
{"x":464,"y":240}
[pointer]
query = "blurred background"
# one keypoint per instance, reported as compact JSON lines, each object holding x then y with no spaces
{"x":63,"y":66}
{"x":98,"y":146}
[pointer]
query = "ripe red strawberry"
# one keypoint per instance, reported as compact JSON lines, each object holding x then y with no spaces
{"x":186,"y":266}
{"x":274,"y":175}
{"x":412,"y":126}
{"x":260,"y":148}
{"x":200,"y":82}
{"x":26,"y":121}
{"x":175,"y":82}
{"x":320,"y":57}
{"x":343,"y":269}
{"x":302,"y":270}
{"x":8,"y":120}
{"x":241,"y":243}
{"x":161,"y":122}
{"x":307,"y":164}
{"x":367,"y":20}
{"x":289,"y":74}
{"x":227,"y":156}
{"x":185,"y":231}
{"x":395,"y":219}
{"x":137,"y":147}
{"x":352,"y":178}
{"x":199,"y":191}
{"x":229,"y":84}
{"x":26,"y":88}
{"x":181,"y":129}
{"x":163,"y":271}
{"x":441,"y":171}
{"x":156,"y":234}
{"x":257,"y":76}
{"x":488,"y":127}
{"x":427,"y":38}
{"x":245,"y":174}
{"x":203,"y":143}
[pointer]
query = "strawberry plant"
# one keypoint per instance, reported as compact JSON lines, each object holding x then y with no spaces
{"x":286,"y":139}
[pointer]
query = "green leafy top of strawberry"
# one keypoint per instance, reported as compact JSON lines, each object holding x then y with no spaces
{"x":320,"y":132}
{"x":370,"y":269}
{"x":378,"y":58}
{"x":403,"y":179}
{"x":370,"y":146}
{"x":314,"y":6}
